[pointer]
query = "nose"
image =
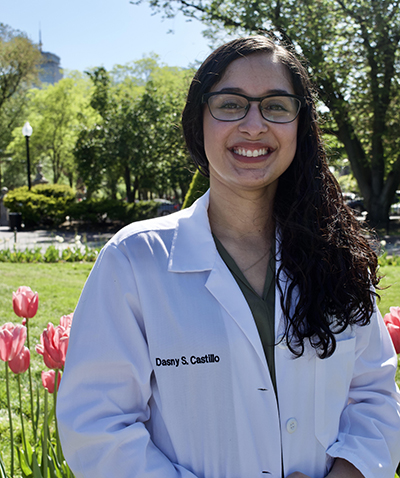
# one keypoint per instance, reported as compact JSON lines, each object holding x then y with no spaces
{"x":253,"y":123}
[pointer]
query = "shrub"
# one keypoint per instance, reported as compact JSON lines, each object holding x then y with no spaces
{"x":198,"y":187}
{"x":100,"y":211}
{"x":43,"y":205}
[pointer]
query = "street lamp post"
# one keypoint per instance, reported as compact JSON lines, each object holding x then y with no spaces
{"x":27,"y":131}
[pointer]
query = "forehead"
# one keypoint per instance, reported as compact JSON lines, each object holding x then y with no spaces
{"x":257,"y":74}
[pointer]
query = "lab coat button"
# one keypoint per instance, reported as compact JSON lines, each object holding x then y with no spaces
{"x":291,"y":425}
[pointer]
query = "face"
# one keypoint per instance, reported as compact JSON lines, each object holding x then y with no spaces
{"x":249,"y":155}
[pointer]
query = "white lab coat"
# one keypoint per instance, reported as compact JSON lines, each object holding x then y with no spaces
{"x":166,"y":376}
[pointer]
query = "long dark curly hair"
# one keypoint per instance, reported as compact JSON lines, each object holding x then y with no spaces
{"x":327,"y":270}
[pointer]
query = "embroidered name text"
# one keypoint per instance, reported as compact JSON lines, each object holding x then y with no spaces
{"x":193,"y":360}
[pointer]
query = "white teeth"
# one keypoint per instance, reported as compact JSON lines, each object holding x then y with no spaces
{"x":250,"y":153}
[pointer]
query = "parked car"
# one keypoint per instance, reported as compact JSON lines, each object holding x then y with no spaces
{"x":356,"y":203}
{"x":395,"y":207}
{"x":166,"y":207}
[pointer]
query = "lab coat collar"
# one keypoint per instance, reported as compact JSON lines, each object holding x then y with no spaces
{"x":193,"y":248}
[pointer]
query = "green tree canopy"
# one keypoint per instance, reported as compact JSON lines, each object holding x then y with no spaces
{"x":352,"y":48}
{"x":138,"y":139}
{"x":19,"y":62}
{"x":56,"y":114}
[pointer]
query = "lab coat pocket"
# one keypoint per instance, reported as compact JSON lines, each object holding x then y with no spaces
{"x":332,"y":383}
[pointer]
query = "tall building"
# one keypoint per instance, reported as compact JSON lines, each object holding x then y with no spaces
{"x":50,"y":71}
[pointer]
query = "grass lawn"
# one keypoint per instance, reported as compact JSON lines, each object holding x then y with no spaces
{"x":59,"y":286}
{"x":390,"y":294}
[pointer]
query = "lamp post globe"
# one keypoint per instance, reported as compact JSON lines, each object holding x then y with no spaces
{"x":27,"y":131}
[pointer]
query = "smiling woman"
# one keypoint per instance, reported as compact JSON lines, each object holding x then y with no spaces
{"x":239,"y":337}
{"x":233,"y":147}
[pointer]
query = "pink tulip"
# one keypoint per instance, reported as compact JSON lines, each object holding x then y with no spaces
{"x":20,"y":363}
{"x":12,"y":339}
{"x":25,"y":302}
{"x":66,"y":320}
{"x":48,"y":379}
{"x":392,"y":321}
{"x":53,"y":346}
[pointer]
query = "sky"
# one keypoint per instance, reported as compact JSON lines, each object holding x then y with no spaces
{"x":90,"y":33}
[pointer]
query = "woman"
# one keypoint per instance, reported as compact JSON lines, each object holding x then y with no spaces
{"x":240,"y":337}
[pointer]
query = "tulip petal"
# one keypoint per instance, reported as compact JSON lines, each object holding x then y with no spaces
{"x":20,"y":363}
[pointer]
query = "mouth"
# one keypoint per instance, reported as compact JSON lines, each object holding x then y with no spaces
{"x":252,"y":153}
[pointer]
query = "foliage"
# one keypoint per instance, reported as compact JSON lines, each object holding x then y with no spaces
{"x":59,"y":286}
{"x":38,"y":448}
{"x":51,"y":255}
{"x":386,"y":260}
{"x":138,"y":139}
{"x":198,"y":187}
{"x":42,"y":205}
{"x":56,"y":113}
{"x":19,"y":61}
{"x":352,"y":51}
{"x":98,"y":211}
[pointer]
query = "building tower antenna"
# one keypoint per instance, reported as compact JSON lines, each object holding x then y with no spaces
{"x":40,"y":38}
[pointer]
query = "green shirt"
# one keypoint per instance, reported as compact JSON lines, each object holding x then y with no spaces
{"x":262,"y":308}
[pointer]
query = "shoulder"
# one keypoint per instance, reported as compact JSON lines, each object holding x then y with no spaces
{"x":159,"y":226}
{"x":159,"y":231}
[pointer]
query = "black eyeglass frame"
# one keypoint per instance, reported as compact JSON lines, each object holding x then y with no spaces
{"x":207,"y":96}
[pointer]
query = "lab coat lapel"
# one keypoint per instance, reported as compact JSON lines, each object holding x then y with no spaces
{"x":226,"y":291}
{"x":193,"y":250}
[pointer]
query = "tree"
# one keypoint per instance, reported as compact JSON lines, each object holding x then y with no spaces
{"x":138,"y":139}
{"x":56,"y":113}
{"x":352,"y":48}
{"x":19,"y":62}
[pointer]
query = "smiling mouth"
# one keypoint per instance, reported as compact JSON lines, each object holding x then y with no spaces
{"x":248,"y":153}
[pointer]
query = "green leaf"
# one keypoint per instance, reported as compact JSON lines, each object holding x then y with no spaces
{"x":25,"y":462}
{"x":36,"y":469}
{"x":3,"y":473}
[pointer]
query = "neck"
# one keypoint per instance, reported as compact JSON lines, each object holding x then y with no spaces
{"x":241,"y":217}
{"x":243,"y":222}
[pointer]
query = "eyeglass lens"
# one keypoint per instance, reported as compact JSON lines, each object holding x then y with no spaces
{"x":277,"y":109}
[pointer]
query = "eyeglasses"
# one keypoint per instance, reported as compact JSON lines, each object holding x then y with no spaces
{"x":283,"y":108}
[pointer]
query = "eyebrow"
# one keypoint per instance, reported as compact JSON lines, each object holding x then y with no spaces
{"x":240,"y":90}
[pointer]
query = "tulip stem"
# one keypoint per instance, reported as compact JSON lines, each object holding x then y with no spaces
{"x":59,"y":452}
{"x":10,"y":421}
{"x":34,"y":422}
{"x":20,"y":412}
{"x":45,"y":430}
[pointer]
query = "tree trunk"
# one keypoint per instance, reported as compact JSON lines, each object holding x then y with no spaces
{"x":128,"y":186}
{"x":135,"y":187}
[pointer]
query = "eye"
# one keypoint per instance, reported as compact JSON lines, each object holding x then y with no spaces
{"x":275,"y":106}
{"x":228,"y":102}
{"x":230,"y":105}
{"x":278,"y":105}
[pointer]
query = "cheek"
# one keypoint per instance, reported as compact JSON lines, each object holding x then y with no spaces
{"x":292,"y":139}
{"x":213,"y":135}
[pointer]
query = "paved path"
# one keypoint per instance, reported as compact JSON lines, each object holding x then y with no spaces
{"x":391,"y":244}
{"x":43,"y":238}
